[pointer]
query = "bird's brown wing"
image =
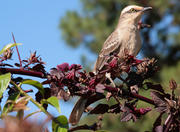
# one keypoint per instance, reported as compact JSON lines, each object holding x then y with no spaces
{"x":111,"y":45}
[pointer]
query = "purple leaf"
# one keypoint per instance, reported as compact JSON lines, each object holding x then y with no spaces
{"x":100,"y":109}
{"x":63,"y":67}
{"x":156,"y":87}
{"x":75,"y":66}
{"x":142,"y":111}
{"x":115,"y":108}
{"x":100,"y":88}
{"x":71,"y":75}
{"x":159,"y":101}
{"x":157,"y":127}
{"x":113,"y":63}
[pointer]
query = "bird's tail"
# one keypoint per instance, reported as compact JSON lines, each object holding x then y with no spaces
{"x":77,"y":111}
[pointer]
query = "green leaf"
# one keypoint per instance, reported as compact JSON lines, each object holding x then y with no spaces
{"x":60,"y":124}
{"x":54,"y":102}
{"x":4,"y":82}
{"x":9,"y":105}
{"x":8,"y":46}
{"x":34,"y":83}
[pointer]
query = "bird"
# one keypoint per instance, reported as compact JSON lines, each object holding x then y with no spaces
{"x":125,"y":37}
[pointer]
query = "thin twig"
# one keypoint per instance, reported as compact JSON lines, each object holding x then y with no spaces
{"x":17,"y":52}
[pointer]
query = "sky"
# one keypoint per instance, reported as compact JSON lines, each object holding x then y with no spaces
{"x":34,"y":23}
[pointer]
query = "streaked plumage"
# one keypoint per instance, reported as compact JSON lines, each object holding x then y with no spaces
{"x":126,"y":36}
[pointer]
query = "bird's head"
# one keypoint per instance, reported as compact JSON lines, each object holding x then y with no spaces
{"x":133,"y":13}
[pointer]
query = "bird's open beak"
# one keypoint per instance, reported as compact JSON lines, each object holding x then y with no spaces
{"x":147,"y":8}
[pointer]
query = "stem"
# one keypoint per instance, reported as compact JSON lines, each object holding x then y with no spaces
{"x":35,"y":103}
{"x":23,"y":72}
{"x":17,"y":52}
{"x":32,"y":114}
{"x":32,"y":100}
{"x":168,"y":123}
{"x":111,"y":89}
{"x":147,"y":100}
{"x":134,"y":95}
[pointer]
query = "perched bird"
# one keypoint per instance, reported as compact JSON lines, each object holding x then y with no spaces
{"x":125,"y":37}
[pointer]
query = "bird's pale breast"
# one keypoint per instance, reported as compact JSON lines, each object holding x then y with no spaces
{"x":131,"y":40}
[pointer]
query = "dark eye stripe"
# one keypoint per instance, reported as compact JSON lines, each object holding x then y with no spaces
{"x":132,"y":10}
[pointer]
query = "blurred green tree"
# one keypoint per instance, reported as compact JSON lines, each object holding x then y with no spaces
{"x":97,"y":19}
{"x":91,"y":25}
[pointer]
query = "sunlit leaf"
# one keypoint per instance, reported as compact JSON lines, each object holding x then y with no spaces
{"x":34,"y":83}
{"x":60,"y":124}
{"x":8,"y":46}
{"x":54,"y":102}
{"x":4,"y":82}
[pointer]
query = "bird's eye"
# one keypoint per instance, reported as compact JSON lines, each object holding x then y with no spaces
{"x":133,"y":10}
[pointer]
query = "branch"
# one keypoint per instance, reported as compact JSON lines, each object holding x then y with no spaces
{"x":23,"y":72}
{"x":140,"y":97}
{"x":134,"y":95}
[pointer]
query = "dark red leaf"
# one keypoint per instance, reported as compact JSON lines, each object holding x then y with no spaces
{"x":142,"y":111}
{"x":115,"y":109}
{"x":157,"y":127}
{"x":17,"y":64}
{"x":100,"y":109}
{"x":159,"y":101}
{"x":25,"y":61}
{"x":63,"y":67}
{"x":71,"y":75}
{"x":55,"y":73}
{"x":92,"y":82}
{"x":113,"y":63}
{"x":75,"y":66}
{"x":156,"y":87}
{"x":127,"y":114}
{"x":38,"y":67}
{"x":95,"y":97}
{"x":100,"y":88}
{"x":82,"y":75}
{"x":46,"y":95}
{"x":91,"y":74}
